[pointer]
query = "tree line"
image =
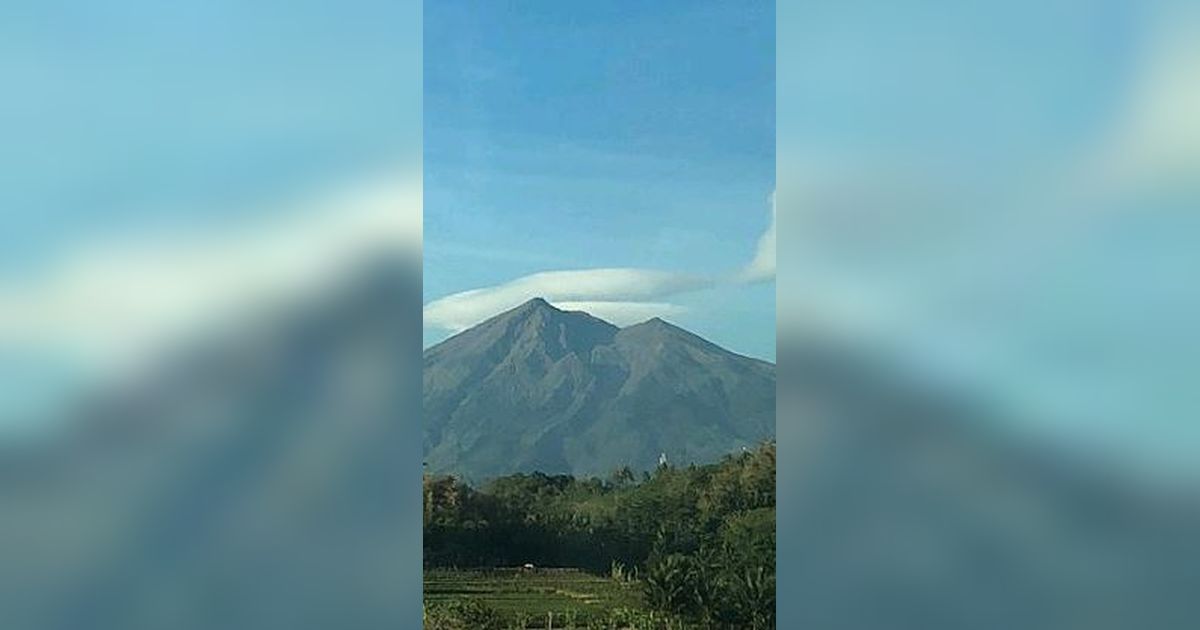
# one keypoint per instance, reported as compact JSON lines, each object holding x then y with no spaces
{"x":699,"y":540}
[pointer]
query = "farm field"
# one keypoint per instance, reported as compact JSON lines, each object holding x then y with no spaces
{"x":536,"y":598}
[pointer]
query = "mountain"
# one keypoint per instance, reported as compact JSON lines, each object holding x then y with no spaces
{"x":538,"y":388}
{"x":908,"y":506}
{"x":262,"y":478}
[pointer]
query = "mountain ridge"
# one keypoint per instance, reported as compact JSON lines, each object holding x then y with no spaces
{"x":540,"y":388}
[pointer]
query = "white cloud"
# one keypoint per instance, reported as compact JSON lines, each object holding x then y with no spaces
{"x":762,"y":267}
{"x":122,"y":301}
{"x":1155,"y":141}
{"x":620,"y":293}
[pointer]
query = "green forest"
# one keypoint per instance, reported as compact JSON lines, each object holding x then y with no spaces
{"x":695,"y":544}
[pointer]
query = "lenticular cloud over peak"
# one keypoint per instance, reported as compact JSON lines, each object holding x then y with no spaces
{"x":622,"y":295}
{"x":617,"y":293}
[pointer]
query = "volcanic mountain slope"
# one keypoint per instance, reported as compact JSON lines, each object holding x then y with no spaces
{"x":538,"y":388}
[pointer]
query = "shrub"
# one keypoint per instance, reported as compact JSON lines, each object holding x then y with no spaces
{"x":462,"y":615}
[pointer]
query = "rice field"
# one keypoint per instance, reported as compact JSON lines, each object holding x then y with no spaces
{"x":533,"y":598}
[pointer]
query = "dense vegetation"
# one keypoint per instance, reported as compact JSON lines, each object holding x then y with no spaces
{"x":698,"y":543}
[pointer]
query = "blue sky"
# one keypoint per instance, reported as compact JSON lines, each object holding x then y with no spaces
{"x":583,"y":136}
{"x":130,"y":114}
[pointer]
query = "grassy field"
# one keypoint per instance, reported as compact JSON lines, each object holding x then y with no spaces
{"x":537,"y":598}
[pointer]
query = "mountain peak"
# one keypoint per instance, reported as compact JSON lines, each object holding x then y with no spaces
{"x":654,"y":325}
{"x":534,"y":309}
{"x":532,"y":305}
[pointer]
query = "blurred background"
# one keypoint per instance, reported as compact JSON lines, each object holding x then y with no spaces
{"x":210,"y":230}
{"x":210,"y":290}
{"x":988,"y":362}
